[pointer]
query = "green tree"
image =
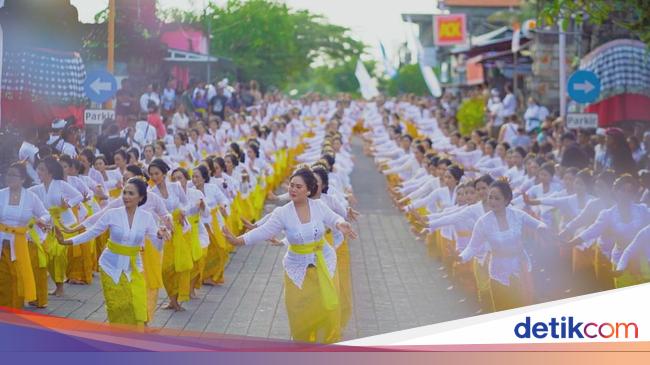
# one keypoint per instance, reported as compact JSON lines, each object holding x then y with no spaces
{"x":270,"y":42}
{"x":330,"y":80}
{"x":408,"y":80}
{"x":632,"y":15}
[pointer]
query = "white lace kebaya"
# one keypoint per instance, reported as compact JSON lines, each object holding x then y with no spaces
{"x":286,"y":219}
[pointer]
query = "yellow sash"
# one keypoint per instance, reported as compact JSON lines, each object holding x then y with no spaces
{"x":193,"y":237}
{"x":57,"y":253}
{"x":137,"y":284}
{"x":115,"y":193}
{"x":216,"y":229}
{"x":182,"y":249}
{"x":36,"y":240}
{"x":23,"y":262}
{"x":327,"y":288}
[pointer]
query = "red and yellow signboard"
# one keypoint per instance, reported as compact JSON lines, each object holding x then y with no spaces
{"x":449,"y":30}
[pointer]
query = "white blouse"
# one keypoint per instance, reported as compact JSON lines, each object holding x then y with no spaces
{"x":506,"y":247}
{"x":194,"y":196}
{"x":176,"y":197}
{"x":29,"y":207}
{"x":462,"y":219}
{"x":154,"y":205}
{"x":610,"y":222}
{"x":117,"y":222}
{"x":286,"y":219}
{"x":52,"y":196}
{"x":639,"y":248}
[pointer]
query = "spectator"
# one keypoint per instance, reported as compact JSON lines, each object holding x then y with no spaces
{"x":584,"y":141}
{"x":636,"y":148}
{"x":600,"y":149}
{"x":169,"y":98}
{"x":534,"y":116}
{"x":155,"y":120}
{"x":618,"y":156}
{"x":186,"y":98}
{"x":150,"y":96}
{"x":645,"y":160}
{"x":110,"y":141}
{"x":218,"y":103}
{"x":125,"y":104}
{"x":508,"y":131}
{"x":28,"y":151}
{"x":522,"y":139}
{"x":494,"y":107}
{"x":180,"y":120}
{"x":571,"y":155}
{"x":509,"y":102}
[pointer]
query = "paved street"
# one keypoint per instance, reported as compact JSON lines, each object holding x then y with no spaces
{"x":396,"y":284}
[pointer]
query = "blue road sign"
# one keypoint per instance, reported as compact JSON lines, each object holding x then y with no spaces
{"x":583,"y":87}
{"x":100,"y":86}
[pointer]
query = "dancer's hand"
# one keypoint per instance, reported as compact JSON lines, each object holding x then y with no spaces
{"x":164,"y":234}
{"x":275,"y":242}
{"x":353,"y":215}
{"x":346,"y":229}
{"x":59,"y":237}
{"x":235,"y":241}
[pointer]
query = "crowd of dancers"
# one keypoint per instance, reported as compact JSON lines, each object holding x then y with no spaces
{"x":167,"y":214}
{"x":167,"y":211}
{"x":493,"y":213}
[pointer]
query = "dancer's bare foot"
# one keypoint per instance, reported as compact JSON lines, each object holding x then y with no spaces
{"x":58,"y":292}
{"x":169,"y":306}
{"x":179,"y":308}
{"x":35,"y":304}
{"x":76,"y":282}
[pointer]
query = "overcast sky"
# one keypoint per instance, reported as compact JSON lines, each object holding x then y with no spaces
{"x":371,"y":21}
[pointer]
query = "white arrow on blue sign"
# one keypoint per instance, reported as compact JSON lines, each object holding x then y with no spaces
{"x":100,"y":86}
{"x":584,"y":87}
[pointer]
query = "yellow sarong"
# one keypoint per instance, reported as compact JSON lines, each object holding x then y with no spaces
{"x":177,"y":263}
{"x":126,"y":301}
{"x":26,"y":287}
{"x":327,"y":288}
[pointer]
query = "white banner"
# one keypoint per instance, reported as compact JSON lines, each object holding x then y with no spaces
{"x":427,"y":73}
{"x":366,"y":83}
{"x":619,"y":315}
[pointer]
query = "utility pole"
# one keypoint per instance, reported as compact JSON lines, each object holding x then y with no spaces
{"x":209,"y":26}
{"x":562,"y":67}
{"x":110,"y":62}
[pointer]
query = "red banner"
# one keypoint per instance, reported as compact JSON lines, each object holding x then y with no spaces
{"x":449,"y":30}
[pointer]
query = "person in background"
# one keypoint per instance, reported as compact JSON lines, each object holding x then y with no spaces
{"x":150,"y":96}
{"x":522,"y":139}
{"x":494,"y":107}
{"x":168,"y":99}
{"x":635,"y":148}
{"x":599,"y":149}
{"x":618,"y":156}
{"x":218,"y":103}
{"x":584,"y":141}
{"x":180,"y":120}
{"x":125,"y":104}
{"x":571,"y":155}
{"x":110,"y":141}
{"x":534,"y":116}
{"x":28,"y":152}
{"x":155,"y":120}
{"x":644,"y":164}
